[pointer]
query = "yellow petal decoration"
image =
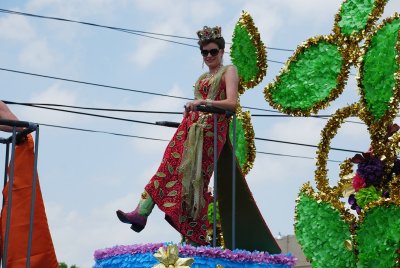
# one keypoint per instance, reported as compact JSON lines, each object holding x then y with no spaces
{"x":169,"y":258}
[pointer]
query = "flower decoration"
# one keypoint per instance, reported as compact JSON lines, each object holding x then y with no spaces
{"x":169,"y":258}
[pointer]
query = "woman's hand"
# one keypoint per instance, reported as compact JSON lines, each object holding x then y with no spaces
{"x":191,"y":106}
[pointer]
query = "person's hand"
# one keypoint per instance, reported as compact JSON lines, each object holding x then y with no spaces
{"x":191,"y":106}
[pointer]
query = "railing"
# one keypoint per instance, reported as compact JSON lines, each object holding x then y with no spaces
{"x":217,"y":111}
{"x":19,"y":131}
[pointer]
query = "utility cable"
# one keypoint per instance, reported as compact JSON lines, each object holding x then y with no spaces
{"x":151,"y":123}
{"x":148,"y":111}
{"x":138,"y":32}
{"x":156,"y":139}
{"x":125,"y":89}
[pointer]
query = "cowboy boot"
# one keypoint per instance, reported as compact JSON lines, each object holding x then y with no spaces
{"x":138,"y":217}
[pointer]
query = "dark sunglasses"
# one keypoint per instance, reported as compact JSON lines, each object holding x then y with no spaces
{"x":213,"y":52}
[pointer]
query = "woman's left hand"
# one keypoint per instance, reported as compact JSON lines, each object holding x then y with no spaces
{"x":191,"y":106}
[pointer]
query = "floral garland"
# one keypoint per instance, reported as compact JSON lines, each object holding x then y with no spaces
{"x":238,"y":256}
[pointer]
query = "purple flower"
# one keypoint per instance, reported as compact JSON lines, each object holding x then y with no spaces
{"x":372,"y":170}
{"x":353,"y":203}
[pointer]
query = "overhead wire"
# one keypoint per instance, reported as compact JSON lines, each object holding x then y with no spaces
{"x":149,"y":111}
{"x":151,"y":123}
{"x":142,"y":91}
{"x":164,"y":140}
{"x":134,"y":32}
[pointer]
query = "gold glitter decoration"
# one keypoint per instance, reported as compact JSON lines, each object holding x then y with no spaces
{"x":249,"y":137}
{"x":379,"y":6}
{"x":348,"y":56}
{"x":395,"y":190}
{"x":327,"y":135}
{"x":246,"y":21}
{"x":348,"y":245}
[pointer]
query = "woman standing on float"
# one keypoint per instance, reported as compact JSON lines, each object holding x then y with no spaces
{"x":180,"y":186}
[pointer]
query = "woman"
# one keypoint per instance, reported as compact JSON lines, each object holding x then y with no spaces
{"x":179,"y":188}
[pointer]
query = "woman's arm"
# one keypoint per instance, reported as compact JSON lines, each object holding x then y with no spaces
{"x":231,"y":79}
{"x":5,"y":113}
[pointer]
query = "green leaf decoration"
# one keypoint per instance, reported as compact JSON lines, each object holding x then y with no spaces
{"x":322,"y":233}
{"x":245,"y":147}
{"x":313,"y":76}
{"x":168,"y":205}
{"x":160,"y":174}
{"x":248,"y":53}
{"x":356,"y":16}
{"x":173,"y":193}
{"x":378,"y":237}
{"x":176,"y":155}
{"x":170,"y":169}
{"x":170,"y":184}
{"x":378,"y":68}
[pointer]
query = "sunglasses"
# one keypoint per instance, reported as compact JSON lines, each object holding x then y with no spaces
{"x":213,"y":52}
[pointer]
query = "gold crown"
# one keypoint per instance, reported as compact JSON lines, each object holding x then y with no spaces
{"x":209,"y":33}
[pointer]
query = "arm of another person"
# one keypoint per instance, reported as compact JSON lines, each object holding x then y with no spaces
{"x":232,"y":82}
{"x":5,"y":113}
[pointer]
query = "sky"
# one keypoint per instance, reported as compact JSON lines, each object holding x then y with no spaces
{"x":85,"y":177}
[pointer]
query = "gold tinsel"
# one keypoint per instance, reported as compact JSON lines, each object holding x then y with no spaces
{"x":246,"y":21}
{"x":327,"y":135}
{"x":249,"y":136}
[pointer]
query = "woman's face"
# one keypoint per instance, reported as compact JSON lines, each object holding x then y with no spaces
{"x":212,"y":55}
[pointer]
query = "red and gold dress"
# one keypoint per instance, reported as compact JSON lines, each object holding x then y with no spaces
{"x":180,"y":186}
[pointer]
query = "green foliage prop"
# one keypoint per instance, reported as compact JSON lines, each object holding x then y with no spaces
{"x":378,"y":80}
{"x":322,"y":233}
{"x":310,"y":78}
{"x":244,"y":54}
{"x":378,"y":237}
{"x":354,"y":15}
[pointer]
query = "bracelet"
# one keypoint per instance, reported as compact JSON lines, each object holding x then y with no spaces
{"x":208,"y":103}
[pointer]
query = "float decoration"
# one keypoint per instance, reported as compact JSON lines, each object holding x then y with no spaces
{"x":366,"y":231}
{"x":249,"y":55}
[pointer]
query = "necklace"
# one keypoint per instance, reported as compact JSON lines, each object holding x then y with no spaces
{"x":211,"y":75}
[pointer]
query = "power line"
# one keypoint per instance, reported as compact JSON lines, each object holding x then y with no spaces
{"x":135,"y":32}
{"x":307,"y":145}
{"x":149,"y":111}
{"x":151,"y":123}
{"x":94,"y":84}
{"x":130,"y":31}
{"x":139,"y":91}
{"x":156,"y":139}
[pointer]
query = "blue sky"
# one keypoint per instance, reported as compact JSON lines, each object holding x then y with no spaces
{"x":85,"y":177}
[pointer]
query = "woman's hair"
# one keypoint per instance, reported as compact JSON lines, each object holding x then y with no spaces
{"x":211,"y":35}
{"x":220,"y":42}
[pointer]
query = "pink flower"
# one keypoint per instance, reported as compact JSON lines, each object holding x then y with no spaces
{"x":358,"y":182}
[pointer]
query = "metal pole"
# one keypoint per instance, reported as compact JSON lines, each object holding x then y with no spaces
{"x":10,"y":186}
{"x":234,"y":182}
{"x":6,"y":167}
{"x":34,"y":179}
{"x":215,"y":179}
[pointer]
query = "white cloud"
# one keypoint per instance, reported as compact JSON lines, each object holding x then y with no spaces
{"x":53,"y":94}
{"x":37,"y":55}
{"x":16,"y":28}
{"x":147,"y":51}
